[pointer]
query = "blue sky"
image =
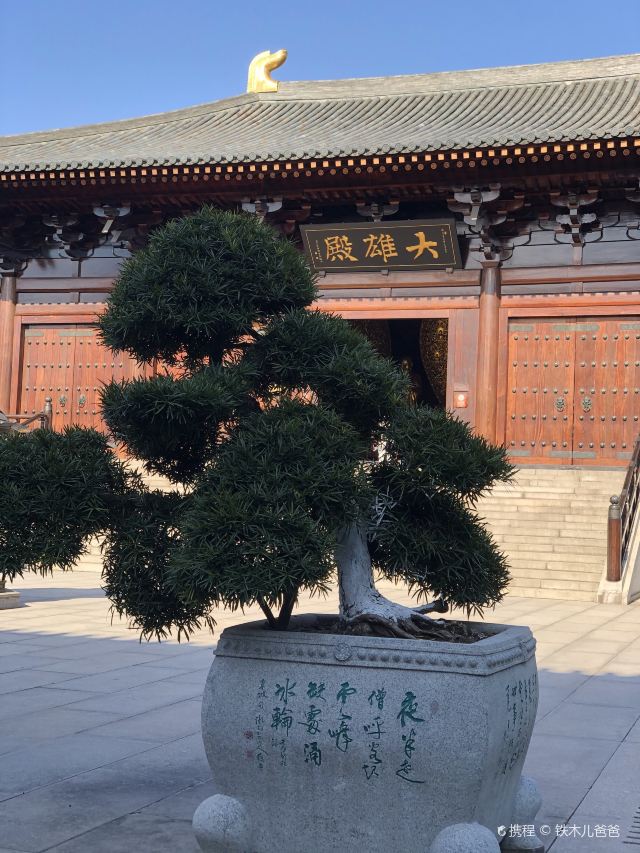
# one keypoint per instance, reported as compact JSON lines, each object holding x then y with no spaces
{"x":68,"y":62}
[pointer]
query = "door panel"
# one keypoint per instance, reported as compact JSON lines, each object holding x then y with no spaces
{"x":46,"y":370}
{"x":540,"y":389}
{"x":574,"y":390}
{"x":95,"y":366}
{"x":607,"y":380}
{"x":69,"y":364}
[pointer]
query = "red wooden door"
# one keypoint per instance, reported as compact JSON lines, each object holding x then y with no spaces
{"x":69,"y":364}
{"x":95,"y":366}
{"x":574,"y":390}
{"x":540,"y":390}
{"x":46,"y":370}
{"x":607,"y":389}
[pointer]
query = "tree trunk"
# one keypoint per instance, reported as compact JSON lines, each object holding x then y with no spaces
{"x":358,"y":594}
{"x":363,"y":606}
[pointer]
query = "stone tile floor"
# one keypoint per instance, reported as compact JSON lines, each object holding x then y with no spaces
{"x":100,"y":747}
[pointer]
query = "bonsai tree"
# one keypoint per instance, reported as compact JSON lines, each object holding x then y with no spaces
{"x":265,"y":419}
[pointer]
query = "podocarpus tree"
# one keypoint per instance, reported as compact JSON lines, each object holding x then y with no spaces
{"x":264,"y":421}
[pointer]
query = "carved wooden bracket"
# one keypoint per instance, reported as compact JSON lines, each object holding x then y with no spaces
{"x":577,"y":222}
{"x":113,"y":221}
{"x":74,"y":235}
{"x":483,"y":210}
{"x":289,"y":219}
{"x":21,"y":238}
{"x":632,"y":194}
{"x":261,"y":207}
{"x":377,"y":210}
{"x":133,"y":233}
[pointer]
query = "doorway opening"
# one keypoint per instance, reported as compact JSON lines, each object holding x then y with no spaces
{"x":419,"y":347}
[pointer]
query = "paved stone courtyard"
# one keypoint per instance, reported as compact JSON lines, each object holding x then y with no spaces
{"x":100,"y":746}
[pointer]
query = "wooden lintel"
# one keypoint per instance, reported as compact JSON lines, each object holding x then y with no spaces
{"x":595,"y":272}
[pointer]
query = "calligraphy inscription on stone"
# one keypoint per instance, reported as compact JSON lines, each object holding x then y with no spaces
{"x":521,"y":701}
{"x":390,"y":730}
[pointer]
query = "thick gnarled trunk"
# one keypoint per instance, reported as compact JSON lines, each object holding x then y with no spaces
{"x":362,"y":607}
{"x":358,"y":594}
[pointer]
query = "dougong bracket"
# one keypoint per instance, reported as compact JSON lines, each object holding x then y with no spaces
{"x":483,"y":210}
{"x":261,"y":207}
{"x":577,"y":221}
{"x":376,"y":211}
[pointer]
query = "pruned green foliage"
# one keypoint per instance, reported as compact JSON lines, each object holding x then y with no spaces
{"x":270,"y":428}
{"x":176,"y":425}
{"x":317,"y":351}
{"x":263,"y":521}
{"x":438,"y":545}
{"x":201,"y":285}
{"x":423,"y":527}
{"x":57,"y":489}
{"x":428,"y":449}
{"x":137,"y":552}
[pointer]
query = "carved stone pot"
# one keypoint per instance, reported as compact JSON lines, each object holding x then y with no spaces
{"x":322,"y":742}
{"x":8,"y":597}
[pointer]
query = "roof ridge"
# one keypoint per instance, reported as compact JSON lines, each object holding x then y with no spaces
{"x":473,"y":78}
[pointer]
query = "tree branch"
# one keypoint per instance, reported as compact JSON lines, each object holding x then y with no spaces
{"x":288,"y":601}
{"x":271,"y":619}
{"x":437,"y":606}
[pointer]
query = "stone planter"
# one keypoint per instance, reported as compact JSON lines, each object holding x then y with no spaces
{"x":8,"y":597}
{"x":321,"y":742}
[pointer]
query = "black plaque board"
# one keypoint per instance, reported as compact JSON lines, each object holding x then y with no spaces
{"x":406,"y":245}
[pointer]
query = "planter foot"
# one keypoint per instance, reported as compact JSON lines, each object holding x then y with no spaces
{"x":525,"y":808}
{"x":221,"y":825}
{"x":465,"y":838}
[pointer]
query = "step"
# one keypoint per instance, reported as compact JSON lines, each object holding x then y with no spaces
{"x":569,"y":574}
{"x":560,"y":484}
{"x":573,"y":586}
{"x":553,"y":498}
{"x":549,"y":528}
{"x":561,"y":594}
{"x":553,"y":558}
{"x":551,"y":524}
{"x":534,"y":590}
{"x":569,"y":502}
{"x":599,"y":550}
{"x":546,"y":544}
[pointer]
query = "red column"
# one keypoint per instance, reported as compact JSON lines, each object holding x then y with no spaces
{"x":487,"y":365}
{"x":7,"y":315}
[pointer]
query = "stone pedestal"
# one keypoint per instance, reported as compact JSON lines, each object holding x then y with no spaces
{"x":9,"y":598}
{"x":334,"y":742}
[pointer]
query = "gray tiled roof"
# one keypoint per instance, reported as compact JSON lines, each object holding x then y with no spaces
{"x":563,"y":101}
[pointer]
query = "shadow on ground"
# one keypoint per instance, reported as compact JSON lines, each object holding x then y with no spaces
{"x":56,"y":594}
{"x":100,"y":744}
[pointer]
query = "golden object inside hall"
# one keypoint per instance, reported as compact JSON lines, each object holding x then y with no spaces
{"x":434,"y":336}
{"x":378,"y":333}
{"x":416,"y":391}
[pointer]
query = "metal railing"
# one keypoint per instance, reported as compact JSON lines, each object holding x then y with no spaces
{"x":623,"y":512}
{"x":10,"y":422}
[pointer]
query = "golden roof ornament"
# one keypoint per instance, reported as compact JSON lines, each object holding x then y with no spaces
{"x":260,"y":69}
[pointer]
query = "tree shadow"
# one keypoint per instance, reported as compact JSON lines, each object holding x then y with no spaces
{"x":32,"y":594}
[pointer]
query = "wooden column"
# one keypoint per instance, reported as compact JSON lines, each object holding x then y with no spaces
{"x":7,"y":315}
{"x":487,"y":370}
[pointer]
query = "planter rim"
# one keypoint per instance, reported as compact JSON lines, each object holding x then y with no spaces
{"x":507,"y":645}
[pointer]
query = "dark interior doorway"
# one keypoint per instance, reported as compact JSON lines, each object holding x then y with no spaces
{"x":420,"y":347}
